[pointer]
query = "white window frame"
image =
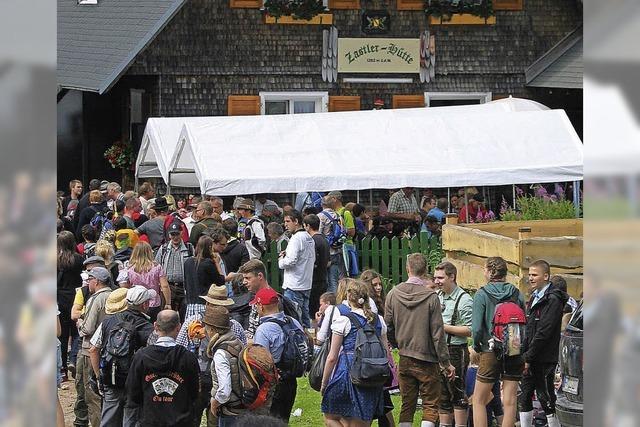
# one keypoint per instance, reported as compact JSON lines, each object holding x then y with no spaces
{"x":483,"y":97}
{"x":321,"y":99}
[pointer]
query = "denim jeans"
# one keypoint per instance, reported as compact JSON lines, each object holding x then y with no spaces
{"x":76,"y":341}
{"x":226,"y":421}
{"x":302,"y":299}
{"x":115,"y":412}
{"x":336,"y":272}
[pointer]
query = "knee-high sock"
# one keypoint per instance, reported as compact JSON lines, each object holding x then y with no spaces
{"x":526,"y":419}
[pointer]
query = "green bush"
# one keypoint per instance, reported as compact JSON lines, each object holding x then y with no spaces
{"x":532,"y":208}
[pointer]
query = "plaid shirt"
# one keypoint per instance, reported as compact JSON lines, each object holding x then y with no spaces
{"x":172,"y":260}
{"x":191,"y":345}
{"x":400,"y":203}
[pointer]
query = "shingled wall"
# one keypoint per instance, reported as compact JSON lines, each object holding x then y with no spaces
{"x":210,"y":51}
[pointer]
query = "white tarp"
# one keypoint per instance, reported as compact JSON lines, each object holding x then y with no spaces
{"x":161,"y":139}
{"x":357,"y":150}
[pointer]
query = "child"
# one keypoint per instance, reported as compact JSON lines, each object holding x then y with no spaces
{"x":328,"y":299}
{"x":494,"y":407}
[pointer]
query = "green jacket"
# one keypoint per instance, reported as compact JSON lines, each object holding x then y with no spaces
{"x":483,"y":310}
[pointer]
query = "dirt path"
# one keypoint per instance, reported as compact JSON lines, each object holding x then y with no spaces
{"x":67,"y":395}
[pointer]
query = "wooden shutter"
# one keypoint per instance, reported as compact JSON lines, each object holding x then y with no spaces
{"x":243,"y":105}
{"x":245,"y":4}
{"x":410,"y":4}
{"x":344,"y":103}
{"x":407,"y":101}
{"x":508,"y":4}
{"x":344,"y":4}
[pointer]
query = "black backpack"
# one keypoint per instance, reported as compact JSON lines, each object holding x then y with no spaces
{"x":119,"y":347}
{"x":296,"y":352}
{"x":370,"y":366}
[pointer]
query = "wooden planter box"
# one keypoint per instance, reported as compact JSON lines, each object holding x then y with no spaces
{"x":321,"y":19}
{"x":559,"y":242}
{"x":463,"y":19}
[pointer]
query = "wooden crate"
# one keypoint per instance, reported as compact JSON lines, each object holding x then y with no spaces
{"x":559,"y":242}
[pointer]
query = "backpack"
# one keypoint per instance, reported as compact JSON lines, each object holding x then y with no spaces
{"x":291,"y":308}
{"x":337,"y":233}
{"x":296,"y":353}
{"x":258,"y":375}
{"x":370,"y":366}
{"x":314,"y":200}
{"x":101,"y":223}
{"x":249,"y":236}
{"x":507,"y":326}
{"x":119,"y":346}
{"x":175,"y":219}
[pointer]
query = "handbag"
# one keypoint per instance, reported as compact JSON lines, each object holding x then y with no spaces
{"x":317,"y":366}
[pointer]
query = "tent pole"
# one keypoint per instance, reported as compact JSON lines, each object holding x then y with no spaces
{"x":135,"y":183}
{"x":371,"y":198}
{"x":448,"y":199}
{"x":576,"y":197}
{"x":169,"y":184}
{"x":358,"y":196}
{"x":632,"y":195}
{"x":513,"y":189}
{"x":466,"y":203}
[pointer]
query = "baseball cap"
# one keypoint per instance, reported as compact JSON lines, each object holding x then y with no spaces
{"x":100,"y":273}
{"x":138,"y":295}
{"x":123,"y":276}
{"x":93,"y":260}
{"x":174,"y":228}
{"x":336,"y":194}
{"x":265,"y":296}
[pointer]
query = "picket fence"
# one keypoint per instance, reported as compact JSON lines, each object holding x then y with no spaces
{"x":386,"y":256}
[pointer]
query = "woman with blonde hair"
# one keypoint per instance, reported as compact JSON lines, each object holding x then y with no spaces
{"x":143,"y":270}
{"x":343,"y":403}
{"x":105,"y":249}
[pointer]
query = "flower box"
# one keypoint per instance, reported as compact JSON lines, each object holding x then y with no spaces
{"x":462,"y":19}
{"x":321,"y":19}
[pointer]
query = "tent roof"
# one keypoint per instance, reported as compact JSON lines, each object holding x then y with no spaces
{"x":423,"y":147}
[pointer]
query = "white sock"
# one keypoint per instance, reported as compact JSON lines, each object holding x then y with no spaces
{"x":405,"y":424}
{"x":526,"y":419}
{"x":462,"y":425}
{"x":428,"y":424}
{"x":445,"y":425}
{"x":552,"y":420}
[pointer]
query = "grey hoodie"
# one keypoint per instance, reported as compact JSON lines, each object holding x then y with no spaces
{"x":414,"y":313}
{"x":483,"y":310}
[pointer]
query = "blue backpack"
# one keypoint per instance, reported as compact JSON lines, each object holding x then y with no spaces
{"x":337,"y":234}
{"x":296,"y":355}
{"x":314,"y":200}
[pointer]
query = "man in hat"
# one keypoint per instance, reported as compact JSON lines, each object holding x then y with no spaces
{"x":154,"y":228}
{"x":271,"y":335}
{"x":134,"y":320}
{"x":98,"y":285}
{"x":378,"y":104}
{"x":253,"y":233}
{"x":163,"y":378}
{"x":206,"y":221}
{"x":224,"y":348}
{"x":192,"y":337}
{"x":171,"y":256}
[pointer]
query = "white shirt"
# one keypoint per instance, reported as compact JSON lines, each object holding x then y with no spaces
{"x":537,"y":295}
{"x":323,"y":332}
{"x":223,"y":372}
{"x":298,"y":262}
{"x":341,"y":325}
{"x":166,"y":342}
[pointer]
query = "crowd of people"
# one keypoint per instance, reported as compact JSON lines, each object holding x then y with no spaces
{"x":166,"y":316}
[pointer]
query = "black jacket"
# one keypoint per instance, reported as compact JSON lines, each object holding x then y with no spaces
{"x":234,"y":255}
{"x":542,"y":334}
{"x":198,"y":278}
{"x":163,"y":382}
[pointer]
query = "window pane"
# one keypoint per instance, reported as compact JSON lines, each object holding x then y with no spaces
{"x":304,"y":107}
{"x":276,"y":107}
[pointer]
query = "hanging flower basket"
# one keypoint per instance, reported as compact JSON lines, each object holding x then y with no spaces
{"x":298,"y":10}
{"x":120,"y":155}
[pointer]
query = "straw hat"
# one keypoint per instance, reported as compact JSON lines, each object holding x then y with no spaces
{"x":117,"y":301}
{"x":217,"y":295}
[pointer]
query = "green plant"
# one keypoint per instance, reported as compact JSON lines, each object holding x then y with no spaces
{"x":436,"y":254}
{"x":532,"y":208}
{"x":299,"y":9}
{"x":120,"y":155}
{"x":444,"y":9}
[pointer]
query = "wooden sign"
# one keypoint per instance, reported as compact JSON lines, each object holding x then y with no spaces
{"x":378,"y":55}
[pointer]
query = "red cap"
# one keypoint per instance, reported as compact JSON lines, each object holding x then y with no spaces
{"x":265,"y":296}
{"x":378,"y":101}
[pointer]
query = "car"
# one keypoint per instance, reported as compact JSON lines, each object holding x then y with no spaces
{"x":569,"y":406}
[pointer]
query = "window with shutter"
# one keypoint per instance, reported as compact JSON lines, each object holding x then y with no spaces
{"x":344,"y":4}
{"x":245,"y":4}
{"x":407,"y":101}
{"x":243,"y":105}
{"x":410,"y":4}
{"x":344,"y":103}
{"x":508,"y":4}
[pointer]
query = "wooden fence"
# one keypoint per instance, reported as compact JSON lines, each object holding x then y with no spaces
{"x":386,"y":256}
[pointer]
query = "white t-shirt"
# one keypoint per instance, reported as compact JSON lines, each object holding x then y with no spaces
{"x":323,"y":332}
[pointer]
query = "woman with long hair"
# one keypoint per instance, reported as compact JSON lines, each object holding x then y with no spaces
{"x":105,"y":249}
{"x":143,"y":270}
{"x":343,"y":403}
{"x":68,"y":279}
{"x":200,"y":272}
{"x":373,"y":279}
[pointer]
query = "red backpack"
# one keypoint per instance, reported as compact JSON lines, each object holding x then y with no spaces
{"x":508,"y":326}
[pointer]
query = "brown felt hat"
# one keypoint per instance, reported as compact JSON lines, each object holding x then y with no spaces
{"x":216,"y":316}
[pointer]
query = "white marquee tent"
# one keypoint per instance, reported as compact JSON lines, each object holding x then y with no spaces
{"x":378,"y":149}
{"x":161,"y":136}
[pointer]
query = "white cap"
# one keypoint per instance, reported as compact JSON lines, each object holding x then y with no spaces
{"x":138,"y":295}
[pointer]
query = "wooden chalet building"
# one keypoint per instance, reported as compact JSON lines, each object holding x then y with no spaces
{"x":120,"y":62}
